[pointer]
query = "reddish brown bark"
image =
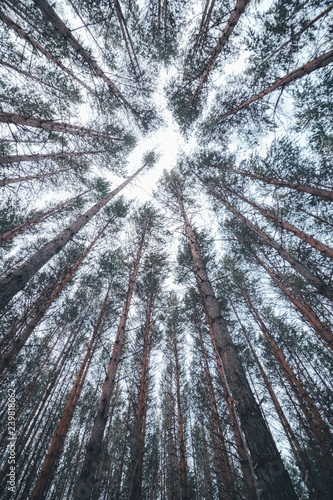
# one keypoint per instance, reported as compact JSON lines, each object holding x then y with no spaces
{"x":105,"y":446}
{"x":233,"y":20}
{"x":300,"y":456}
{"x":138,"y":442}
{"x":321,"y":193}
{"x":300,"y":305}
{"x":11,"y":285}
{"x":307,"y":238}
{"x":306,"y":69}
{"x":223,"y":467}
{"x":316,"y":423}
{"x":274,"y":480}
{"x":91,"y":462}
{"x":323,"y":288}
{"x":244,"y":458}
{"x":53,"y":455}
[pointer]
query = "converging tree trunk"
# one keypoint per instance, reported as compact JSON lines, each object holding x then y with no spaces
{"x":54,"y":126}
{"x":11,"y":285}
{"x":306,"y":69}
{"x":273,"y":479}
{"x":45,"y":52}
{"x":321,"y":193}
{"x":9,"y":357}
{"x":50,"y":463}
{"x":233,"y":20}
{"x":323,"y":288}
{"x":91,"y":461}
{"x":58,"y":24}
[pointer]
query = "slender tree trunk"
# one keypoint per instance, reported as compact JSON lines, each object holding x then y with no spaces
{"x":299,"y":33}
{"x":138,"y":443}
{"x":28,"y":75}
{"x":91,"y":462}
{"x":52,"y":458}
{"x":183,"y":468}
{"x":306,"y":69}
{"x":5,"y":182}
{"x":244,"y":458}
{"x":273,"y":478}
{"x":307,"y":238}
{"x":170,"y":474}
{"x":208,"y":477}
{"x":9,"y":235}
{"x":12,"y":353}
{"x":58,"y":24}
{"x":321,"y":193}
{"x":300,"y":305}
{"x":21,"y":33}
{"x":4,"y":160}
{"x":233,"y":20}
{"x":105,"y":446}
{"x":54,"y":126}
{"x":121,"y":466}
{"x":323,"y":288}
{"x":19,"y":277}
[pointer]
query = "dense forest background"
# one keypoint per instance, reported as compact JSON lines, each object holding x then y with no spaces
{"x":171,"y":339}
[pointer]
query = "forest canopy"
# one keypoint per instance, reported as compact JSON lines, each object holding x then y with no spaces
{"x":166,"y":249}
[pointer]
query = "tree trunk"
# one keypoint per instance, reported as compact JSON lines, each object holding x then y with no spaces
{"x":298,"y":34}
{"x":306,"y":69}
{"x":138,"y":443}
{"x":323,"y":288}
{"x":121,"y":466}
{"x":307,"y":238}
{"x":300,"y":305}
{"x":208,"y":477}
{"x":219,"y":445}
{"x":54,"y":126}
{"x":300,"y":456}
{"x":58,"y":24}
{"x":233,"y":20}
{"x":4,"y":160}
{"x":9,"y":357}
{"x":91,"y":462}
{"x":5,"y":182}
{"x":52,"y":458}
{"x":273,"y":478}
{"x":41,"y":49}
{"x":182,"y":448}
{"x":9,"y":235}
{"x":19,"y":277}
{"x":321,"y":193}
{"x":316,"y":423}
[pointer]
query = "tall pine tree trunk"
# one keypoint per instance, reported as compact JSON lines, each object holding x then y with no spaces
{"x":11,"y":285}
{"x":273,"y":479}
{"x":306,"y":69}
{"x":91,"y":462}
